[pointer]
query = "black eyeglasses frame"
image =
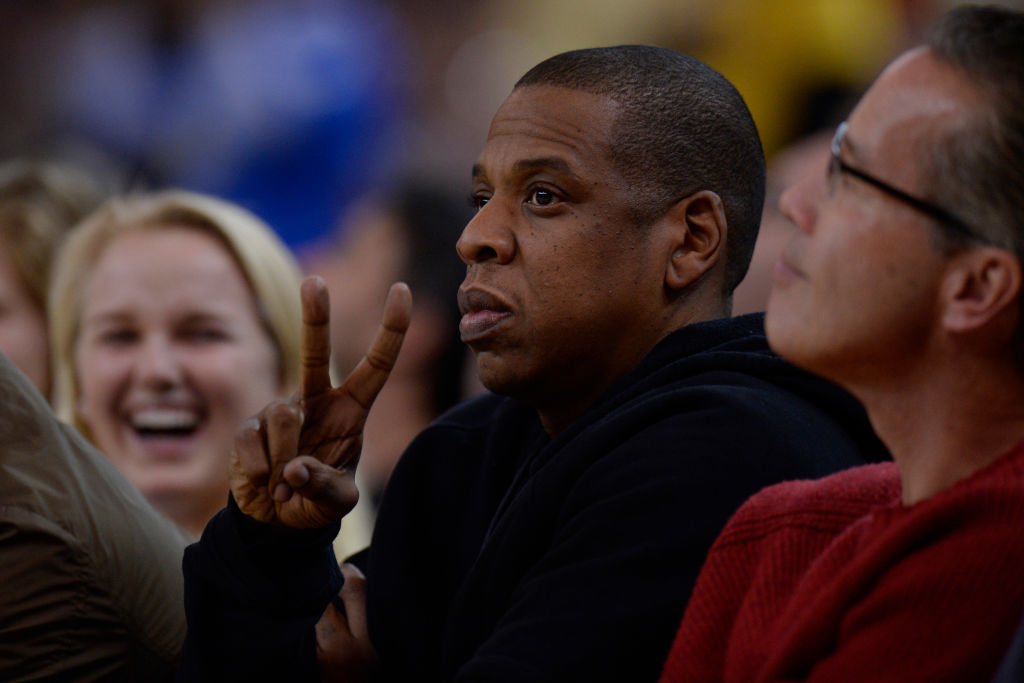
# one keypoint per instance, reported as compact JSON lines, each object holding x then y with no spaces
{"x":937,"y":212}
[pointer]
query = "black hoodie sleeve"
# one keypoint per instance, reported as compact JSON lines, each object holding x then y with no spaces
{"x":253,"y":594}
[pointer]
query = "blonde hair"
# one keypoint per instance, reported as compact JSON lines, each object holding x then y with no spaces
{"x":265,"y":262}
{"x":39,"y":203}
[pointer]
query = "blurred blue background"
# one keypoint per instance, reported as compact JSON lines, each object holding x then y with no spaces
{"x":295,"y":108}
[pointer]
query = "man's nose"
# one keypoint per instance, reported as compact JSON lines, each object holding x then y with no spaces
{"x":488,"y":236}
{"x":799,"y":202}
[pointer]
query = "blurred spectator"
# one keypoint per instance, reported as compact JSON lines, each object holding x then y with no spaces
{"x":407,"y":235}
{"x":805,"y":157}
{"x":39,"y":203}
{"x":174,"y":316}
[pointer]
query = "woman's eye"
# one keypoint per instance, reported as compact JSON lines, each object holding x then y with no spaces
{"x":117,"y":337}
{"x":204,"y":334}
{"x":542,"y":197}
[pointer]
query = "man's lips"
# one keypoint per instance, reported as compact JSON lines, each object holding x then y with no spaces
{"x":481,"y":313}
{"x":784,"y":271}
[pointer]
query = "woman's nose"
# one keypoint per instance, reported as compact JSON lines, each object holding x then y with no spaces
{"x":157,"y":364}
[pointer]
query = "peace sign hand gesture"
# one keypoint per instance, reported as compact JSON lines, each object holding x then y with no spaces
{"x":293,"y":464}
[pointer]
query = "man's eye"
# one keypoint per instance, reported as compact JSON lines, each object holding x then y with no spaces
{"x":832,"y":175}
{"x":477,"y":201}
{"x":542,"y":197}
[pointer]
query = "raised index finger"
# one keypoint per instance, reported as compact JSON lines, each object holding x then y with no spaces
{"x":369,"y":376}
{"x":315,"y":356}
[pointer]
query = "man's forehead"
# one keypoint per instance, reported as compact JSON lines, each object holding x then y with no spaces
{"x":532,"y":165}
{"x":916,"y":97}
{"x":549,"y":126}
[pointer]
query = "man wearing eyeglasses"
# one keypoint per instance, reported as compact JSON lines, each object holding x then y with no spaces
{"x":904,"y":286}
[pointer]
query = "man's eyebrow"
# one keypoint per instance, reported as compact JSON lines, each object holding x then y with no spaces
{"x":556,"y":164}
{"x":552,"y":163}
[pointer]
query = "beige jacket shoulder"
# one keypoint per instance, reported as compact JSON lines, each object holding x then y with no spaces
{"x":90,"y":574}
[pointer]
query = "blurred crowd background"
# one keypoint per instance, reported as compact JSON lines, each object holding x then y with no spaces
{"x":297,"y":108}
{"x":350,"y":127}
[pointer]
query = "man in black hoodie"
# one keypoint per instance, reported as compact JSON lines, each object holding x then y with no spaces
{"x":552,"y":530}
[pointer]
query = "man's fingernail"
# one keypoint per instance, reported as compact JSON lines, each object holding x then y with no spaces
{"x":300,"y":476}
{"x":282,"y":492}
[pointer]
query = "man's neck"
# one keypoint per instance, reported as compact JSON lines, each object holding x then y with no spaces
{"x":947,"y":422}
{"x":558,"y":409}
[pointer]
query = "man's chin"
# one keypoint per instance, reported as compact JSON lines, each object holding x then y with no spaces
{"x":785,"y":338}
{"x":774,"y":326}
{"x":494,"y":374}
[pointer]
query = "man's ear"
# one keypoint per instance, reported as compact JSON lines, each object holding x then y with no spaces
{"x":697,"y":230}
{"x":981,"y":285}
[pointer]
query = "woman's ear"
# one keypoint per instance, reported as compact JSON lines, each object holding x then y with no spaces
{"x":697,"y":233}
{"x":981,"y":284}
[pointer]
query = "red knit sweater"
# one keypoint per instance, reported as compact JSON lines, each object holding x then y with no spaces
{"x":835,"y":580}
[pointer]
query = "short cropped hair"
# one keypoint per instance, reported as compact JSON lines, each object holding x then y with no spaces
{"x":978,"y":169}
{"x":682,"y":128}
{"x":266,"y":264}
